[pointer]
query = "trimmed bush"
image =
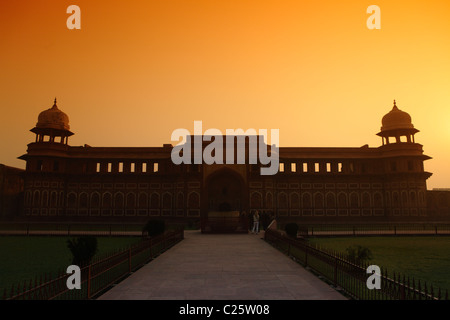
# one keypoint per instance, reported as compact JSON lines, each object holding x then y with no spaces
{"x":83,"y":249}
{"x":358,"y":254}
{"x":154,"y":228}
{"x":291,"y":229}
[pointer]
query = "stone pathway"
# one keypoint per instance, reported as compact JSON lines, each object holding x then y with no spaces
{"x":222,"y":267}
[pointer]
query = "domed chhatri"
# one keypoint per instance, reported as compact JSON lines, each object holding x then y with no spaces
{"x":396,"y":119}
{"x":397,"y":124}
{"x":52,"y":125}
{"x":53,"y":118}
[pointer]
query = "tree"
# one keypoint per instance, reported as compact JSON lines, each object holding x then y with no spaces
{"x":83,"y":249}
{"x":291,"y":229}
{"x":358,"y":254}
{"x":154,"y":228}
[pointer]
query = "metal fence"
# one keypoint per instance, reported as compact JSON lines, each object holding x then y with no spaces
{"x":351,"y":277}
{"x":381,"y":229}
{"x":69,"y":229}
{"x":99,"y":275}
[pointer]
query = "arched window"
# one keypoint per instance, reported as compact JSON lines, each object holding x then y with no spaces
{"x":71,"y":200}
{"x":61,"y":199}
{"x":194,"y":200}
{"x":107,"y":200}
{"x":366,"y":200}
{"x":256,"y":200}
{"x":54,"y":199}
{"x":421,"y":197}
{"x":44,"y":202}
{"x":118,"y":200}
{"x":306,"y":200}
{"x":354,"y":200}
{"x":342,"y":200}
{"x":404,"y":198}
{"x":83,"y":200}
{"x":95,"y":200}
{"x":377,"y":200}
{"x":143,"y":200}
{"x":131,"y":200}
{"x":167,"y":201}
{"x":318,"y":201}
{"x":295,"y":200}
{"x":36,"y":198}
{"x":412,"y":196}
{"x":154,"y":201}
{"x":282,"y":201}
{"x":395,"y":199}
{"x":331,"y":200}
{"x":28,"y":198}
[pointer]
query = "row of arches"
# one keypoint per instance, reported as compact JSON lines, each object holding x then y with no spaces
{"x":283,"y":200}
{"x":117,"y":200}
{"x":319,"y":200}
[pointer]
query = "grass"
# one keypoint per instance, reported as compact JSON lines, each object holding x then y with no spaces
{"x":424,"y":258}
{"x":23,"y":258}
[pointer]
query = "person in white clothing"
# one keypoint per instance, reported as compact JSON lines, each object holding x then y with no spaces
{"x":255,"y":222}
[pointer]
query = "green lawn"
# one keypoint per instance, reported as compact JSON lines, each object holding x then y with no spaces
{"x":22,"y":258}
{"x":425,"y":258}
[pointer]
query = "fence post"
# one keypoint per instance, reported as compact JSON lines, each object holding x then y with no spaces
{"x":335,"y":270}
{"x":306,"y":256}
{"x":151,"y":253}
{"x":402,"y":289}
{"x":165,"y":241}
{"x":129,"y":260}
{"x":89,"y":282}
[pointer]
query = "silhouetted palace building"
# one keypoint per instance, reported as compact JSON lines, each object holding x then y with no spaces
{"x":361,"y":184}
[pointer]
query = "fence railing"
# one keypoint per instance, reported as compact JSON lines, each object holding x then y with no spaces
{"x":351,"y":277}
{"x":385,"y":229}
{"x":99,"y":275}
{"x":70,"y":229}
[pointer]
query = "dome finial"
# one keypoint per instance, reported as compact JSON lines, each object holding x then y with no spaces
{"x":54,"y":105}
{"x":395,"y":105}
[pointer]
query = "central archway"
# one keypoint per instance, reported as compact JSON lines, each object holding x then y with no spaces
{"x":226,"y":200}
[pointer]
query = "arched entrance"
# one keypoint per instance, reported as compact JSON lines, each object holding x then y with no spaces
{"x":227,"y":199}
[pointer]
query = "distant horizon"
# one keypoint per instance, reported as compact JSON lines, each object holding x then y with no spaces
{"x":138,"y":70}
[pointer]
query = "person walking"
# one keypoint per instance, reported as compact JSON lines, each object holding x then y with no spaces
{"x":255,"y":229}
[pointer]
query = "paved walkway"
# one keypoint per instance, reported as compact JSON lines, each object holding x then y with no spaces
{"x":222,"y":267}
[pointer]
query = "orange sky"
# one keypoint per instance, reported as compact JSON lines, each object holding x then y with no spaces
{"x":137,"y":70}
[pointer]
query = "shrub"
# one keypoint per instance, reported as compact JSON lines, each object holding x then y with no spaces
{"x":291,"y":229}
{"x":83,"y":249}
{"x":359,"y":253}
{"x":154,"y":228}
